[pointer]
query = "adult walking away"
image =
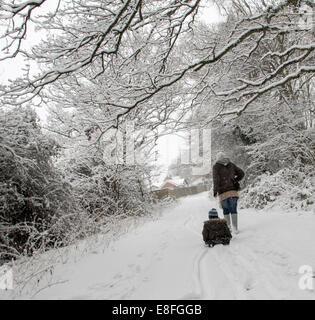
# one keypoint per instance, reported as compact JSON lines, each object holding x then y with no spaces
{"x":225,"y":185}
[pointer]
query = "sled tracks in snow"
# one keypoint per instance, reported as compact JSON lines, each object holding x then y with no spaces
{"x":236,"y":271}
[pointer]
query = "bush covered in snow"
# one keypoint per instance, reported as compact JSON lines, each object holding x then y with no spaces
{"x":32,"y":192}
{"x":49,"y":199}
{"x":288,"y":188}
{"x":103,"y":190}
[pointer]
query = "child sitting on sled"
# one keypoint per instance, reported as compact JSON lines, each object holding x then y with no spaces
{"x":215,"y":230}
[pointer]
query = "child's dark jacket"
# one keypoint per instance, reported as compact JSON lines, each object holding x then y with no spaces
{"x":215,"y":230}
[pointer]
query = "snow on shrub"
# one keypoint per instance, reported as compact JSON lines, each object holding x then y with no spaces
{"x":288,"y":188}
{"x":33,"y":194}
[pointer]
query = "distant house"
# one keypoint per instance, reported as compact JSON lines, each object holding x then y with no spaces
{"x":174,"y":183}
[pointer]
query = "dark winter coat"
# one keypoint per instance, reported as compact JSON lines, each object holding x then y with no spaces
{"x":224,"y":173}
{"x":216,"y":230}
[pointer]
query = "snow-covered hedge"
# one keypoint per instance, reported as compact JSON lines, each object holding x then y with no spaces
{"x":51,"y":199}
{"x":33,"y":194}
{"x":288,"y":188}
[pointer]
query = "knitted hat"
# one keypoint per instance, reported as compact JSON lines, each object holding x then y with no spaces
{"x":213,"y":214}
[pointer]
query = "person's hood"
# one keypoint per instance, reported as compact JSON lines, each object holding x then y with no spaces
{"x":224,"y":161}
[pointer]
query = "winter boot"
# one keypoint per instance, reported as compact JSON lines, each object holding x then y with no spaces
{"x":234,"y":223}
{"x":227,"y":217}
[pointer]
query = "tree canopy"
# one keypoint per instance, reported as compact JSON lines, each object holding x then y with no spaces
{"x":136,"y":48}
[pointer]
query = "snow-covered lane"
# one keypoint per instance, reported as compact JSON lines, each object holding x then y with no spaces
{"x":166,"y":259}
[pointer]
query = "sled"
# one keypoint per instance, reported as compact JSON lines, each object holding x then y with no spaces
{"x":224,"y":241}
{"x":216,"y":231}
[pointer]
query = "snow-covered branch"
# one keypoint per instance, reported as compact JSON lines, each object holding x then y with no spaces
{"x":16,"y":18}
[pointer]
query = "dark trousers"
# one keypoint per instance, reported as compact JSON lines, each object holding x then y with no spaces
{"x":229,"y":205}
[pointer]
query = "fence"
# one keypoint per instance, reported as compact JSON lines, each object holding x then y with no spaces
{"x":180,"y":192}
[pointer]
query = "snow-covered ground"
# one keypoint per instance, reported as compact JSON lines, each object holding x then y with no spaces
{"x":167,"y":259}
